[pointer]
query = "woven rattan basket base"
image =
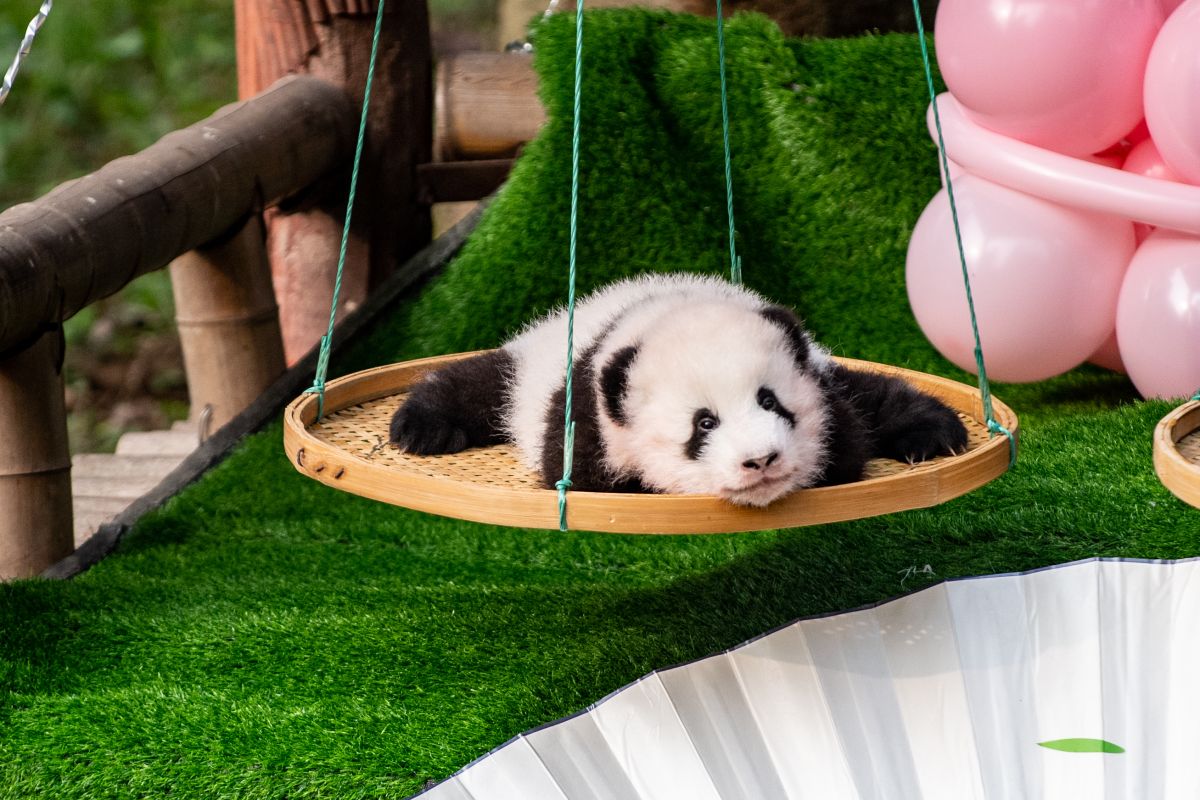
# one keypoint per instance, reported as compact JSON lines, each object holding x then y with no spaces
{"x":349,"y":450}
{"x":1177,"y":452}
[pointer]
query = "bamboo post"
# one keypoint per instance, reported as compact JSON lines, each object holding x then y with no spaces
{"x":35,"y":463}
{"x":331,"y":39}
{"x":228,"y":322}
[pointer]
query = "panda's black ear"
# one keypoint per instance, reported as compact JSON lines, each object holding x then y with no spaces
{"x":614,"y":378}
{"x":786,"y":319}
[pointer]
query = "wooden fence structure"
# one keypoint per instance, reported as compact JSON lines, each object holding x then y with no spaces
{"x":245,"y":208}
{"x":198,"y":191}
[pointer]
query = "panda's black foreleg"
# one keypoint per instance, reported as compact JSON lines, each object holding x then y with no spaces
{"x":456,"y":407}
{"x":903,"y":423}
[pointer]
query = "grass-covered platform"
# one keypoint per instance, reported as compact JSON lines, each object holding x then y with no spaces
{"x":264,"y":636}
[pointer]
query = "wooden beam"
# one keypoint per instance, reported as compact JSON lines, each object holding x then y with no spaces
{"x":89,"y":237}
{"x":458,"y":181}
{"x":35,"y":464}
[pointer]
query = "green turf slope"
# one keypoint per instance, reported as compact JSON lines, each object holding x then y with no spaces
{"x":264,"y":636}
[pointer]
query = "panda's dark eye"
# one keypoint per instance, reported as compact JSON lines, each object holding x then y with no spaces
{"x":703,"y":423}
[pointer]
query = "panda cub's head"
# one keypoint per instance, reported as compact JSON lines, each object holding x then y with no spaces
{"x":714,"y":398}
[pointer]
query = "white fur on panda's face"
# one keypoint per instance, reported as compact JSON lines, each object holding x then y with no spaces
{"x":715,"y":403}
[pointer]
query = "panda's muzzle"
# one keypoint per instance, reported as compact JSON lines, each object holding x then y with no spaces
{"x":762,"y":462}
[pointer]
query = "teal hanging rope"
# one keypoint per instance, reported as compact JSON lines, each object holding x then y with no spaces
{"x":985,"y":391}
{"x":318,"y":387}
{"x":569,"y":427}
{"x":735,"y":262}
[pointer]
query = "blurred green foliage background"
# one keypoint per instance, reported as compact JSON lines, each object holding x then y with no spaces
{"x":107,"y":78}
{"x":104,"y":79}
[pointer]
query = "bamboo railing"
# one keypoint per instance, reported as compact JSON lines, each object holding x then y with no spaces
{"x":193,"y":198}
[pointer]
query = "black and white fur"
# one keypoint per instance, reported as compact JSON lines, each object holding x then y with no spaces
{"x":682,"y":384}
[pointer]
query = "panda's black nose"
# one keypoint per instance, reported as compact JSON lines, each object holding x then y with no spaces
{"x":762,"y":462}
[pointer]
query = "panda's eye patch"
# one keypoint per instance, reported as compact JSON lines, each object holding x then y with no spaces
{"x":703,"y":423}
{"x":767,"y":401}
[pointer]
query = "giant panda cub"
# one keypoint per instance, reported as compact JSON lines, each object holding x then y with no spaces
{"x":681,"y":384}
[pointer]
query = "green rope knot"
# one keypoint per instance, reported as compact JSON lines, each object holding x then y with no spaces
{"x":319,"y":390}
{"x":564,"y":483}
{"x":996,"y":428}
{"x":318,"y":387}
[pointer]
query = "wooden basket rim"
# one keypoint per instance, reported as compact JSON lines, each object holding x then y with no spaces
{"x":921,"y":486}
{"x":1179,"y":474}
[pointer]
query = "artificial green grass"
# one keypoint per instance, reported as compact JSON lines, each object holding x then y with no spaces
{"x":264,"y":636}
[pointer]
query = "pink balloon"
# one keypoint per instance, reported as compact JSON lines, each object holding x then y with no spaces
{"x":1158,"y":316}
{"x":1144,"y":159}
{"x":1112,"y":157}
{"x":956,"y":170}
{"x":1044,"y":277}
{"x":1109,"y":355}
{"x":1173,"y":91}
{"x":1064,"y":179}
{"x":1061,"y":74}
{"x":1139,"y":134}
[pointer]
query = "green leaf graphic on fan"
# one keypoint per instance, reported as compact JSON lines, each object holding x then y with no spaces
{"x":1082,"y":746}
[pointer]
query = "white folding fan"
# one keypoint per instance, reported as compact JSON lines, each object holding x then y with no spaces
{"x":1077,"y":681}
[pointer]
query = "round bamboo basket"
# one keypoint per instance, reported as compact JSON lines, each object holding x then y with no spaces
{"x":349,"y":450}
{"x":1177,"y":452}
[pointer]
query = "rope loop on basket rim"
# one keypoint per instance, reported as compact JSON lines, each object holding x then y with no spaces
{"x":985,"y":390}
{"x":318,"y":387}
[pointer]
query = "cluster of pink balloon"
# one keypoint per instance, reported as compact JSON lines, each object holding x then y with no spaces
{"x":1072,"y":128}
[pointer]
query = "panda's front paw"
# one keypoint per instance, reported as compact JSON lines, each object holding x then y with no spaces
{"x":423,"y":429}
{"x":932,"y":431}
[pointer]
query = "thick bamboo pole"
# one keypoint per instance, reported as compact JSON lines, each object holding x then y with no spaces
{"x":486,"y":105}
{"x":35,"y":463}
{"x":331,"y":39}
{"x":88,"y":238}
{"x":228,"y":323}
